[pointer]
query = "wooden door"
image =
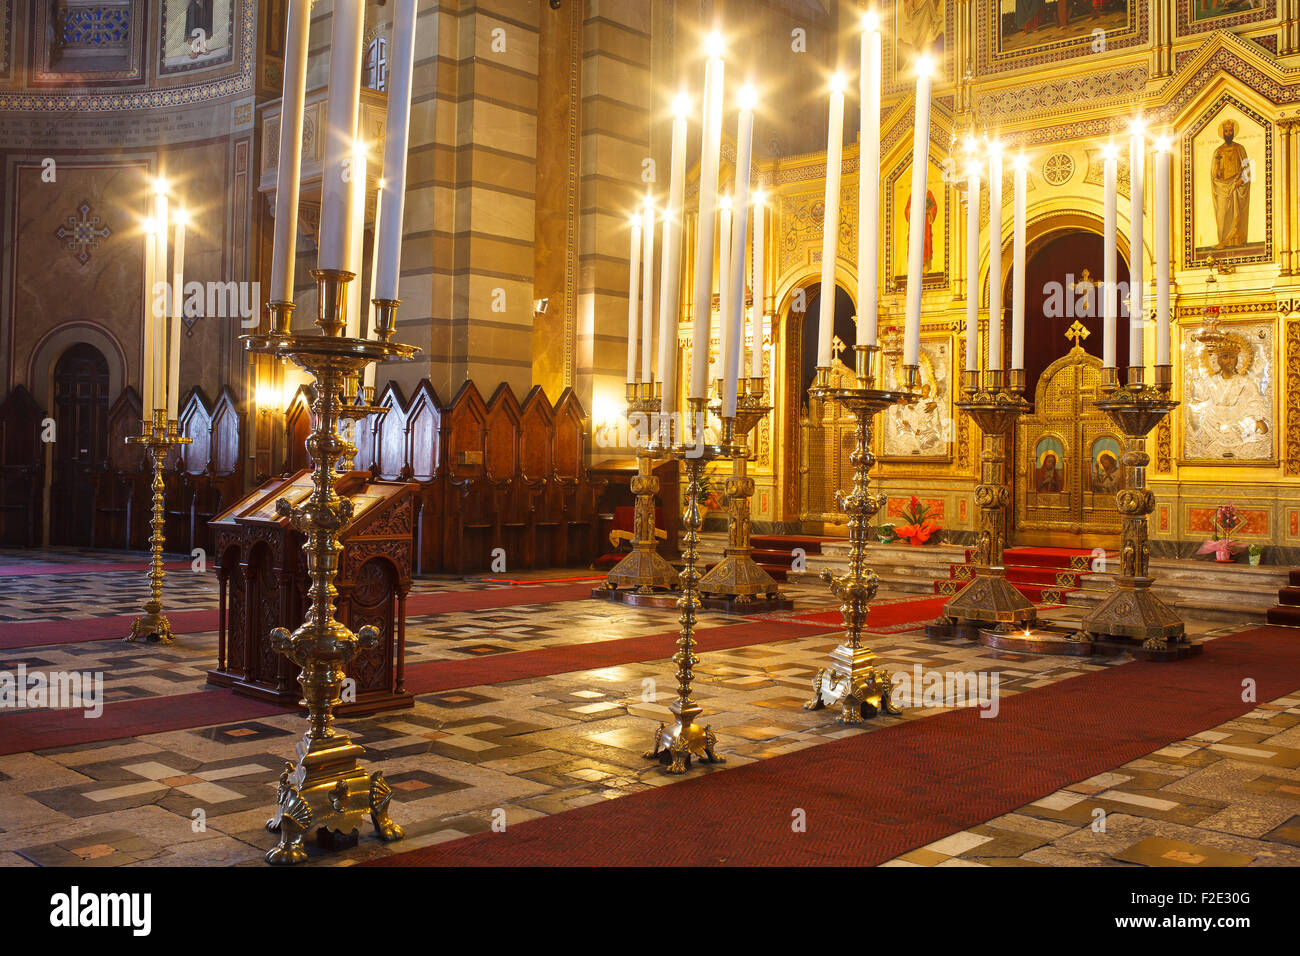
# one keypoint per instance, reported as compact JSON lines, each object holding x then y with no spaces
{"x":81,"y":443}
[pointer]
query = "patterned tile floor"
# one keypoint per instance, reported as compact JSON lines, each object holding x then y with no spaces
{"x":533,"y":747}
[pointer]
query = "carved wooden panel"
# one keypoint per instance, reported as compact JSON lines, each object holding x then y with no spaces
{"x":297,"y":425}
{"x":536,"y":435}
{"x":501,"y":445}
{"x":196,"y":425}
{"x":569,"y":454}
{"x":390,"y":439}
{"x":424,"y":424}
{"x":225,"y":434}
{"x":465,"y":431}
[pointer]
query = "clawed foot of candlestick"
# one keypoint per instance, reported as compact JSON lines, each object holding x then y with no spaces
{"x":867,"y":694}
{"x":380,"y":795}
{"x":676,"y":746}
{"x":153,"y":628}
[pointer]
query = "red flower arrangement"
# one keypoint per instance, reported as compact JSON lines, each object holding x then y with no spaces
{"x":920,"y":526}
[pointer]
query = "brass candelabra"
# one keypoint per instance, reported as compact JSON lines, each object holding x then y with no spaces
{"x":685,"y":738}
{"x":326,"y":790}
{"x":1131,"y":610}
{"x":643,"y":570}
{"x":737,"y":575}
{"x":158,"y":435}
{"x":854,"y":680}
{"x":357,"y":405}
{"x":989,"y":600}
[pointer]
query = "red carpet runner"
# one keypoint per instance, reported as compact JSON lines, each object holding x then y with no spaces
{"x":88,"y":567}
{"x":901,"y":616}
{"x":46,"y":633}
{"x":873,"y":796}
{"x":44,"y":729}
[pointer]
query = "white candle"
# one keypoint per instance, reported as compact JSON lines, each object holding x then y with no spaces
{"x":758,"y":283}
{"x":1110,"y":167}
{"x":1137,"y":202}
{"x":916,"y":231}
{"x":397,"y":127}
{"x":995,"y":257}
{"x":633,"y":296}
{"x":972,"y":267}
{"x":178,"y":318}
{"x":334,"y":248}
{"x":731,"y":361}
{"x":146,"y":373}
{"x":647,"y":288}
{"x":670,"y":263}
{"x":711,"y":144}
{"x":356,"y":237}
{"x":831,"y":222}
{"x":724,"y":282}
{"x":368,"y":374}
{"x":161,"y":297}
{"x":1018,"y":269}
{"x":1162,"y":228}
{"x":869,"y":183}
{"x":288,"y":171}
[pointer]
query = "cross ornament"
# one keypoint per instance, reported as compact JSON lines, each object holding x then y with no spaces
{"x":1078,"y":333}
{"x":84,"y":234}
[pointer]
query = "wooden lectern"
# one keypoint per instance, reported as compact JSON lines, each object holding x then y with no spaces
{"x":262,"y":572}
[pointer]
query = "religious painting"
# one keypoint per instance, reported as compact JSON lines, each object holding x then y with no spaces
{"x":1106,"y":476}
{"x":922,"y":430}
{"x":6,"y":11}
{"x":918,"y":29}
{"x":1049,"y":466}
{"x":1228,"y":163}
{"x":197,"y":34}
{"x":1029,"y":24}
{"x":1198,"y":16}
{"x":1228,"y":386}
{"x":934,"y":222}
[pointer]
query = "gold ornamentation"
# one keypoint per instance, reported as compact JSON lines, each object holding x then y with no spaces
{"x":643,"y":570}
{"x":989,"y":598}
{"x":325,"y":790}
{"x":685,"y":738}
{"x":1131,"y":610}
{"x":158,"y":436}
{"x":853,"y":680}
{"x":1292,"y":464}
{"x":737,"y":574}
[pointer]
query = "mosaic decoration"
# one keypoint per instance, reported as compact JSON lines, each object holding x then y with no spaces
{"x":1228,"y":410}
{"x":196,"y":35}
{"x":1293,"y":398}
{"x":1058,"y":168}
{"x":82,"y":233}
{"x":922,"y":431}
{"x":111,"y":101}
{"x":919,"y":26}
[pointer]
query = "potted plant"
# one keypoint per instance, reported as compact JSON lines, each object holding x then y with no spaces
{"x":1253,"y":554}
{"x":920,"y":526}
{"x":1226,"y":523}
{"x":885,"y":533}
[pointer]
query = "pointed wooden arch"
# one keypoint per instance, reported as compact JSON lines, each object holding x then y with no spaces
{"x":536,"y":436}
{"x":501,"y":449}
{"x":424,"y":432}
{"x":465,"y":432}
{"x":570,"y":454}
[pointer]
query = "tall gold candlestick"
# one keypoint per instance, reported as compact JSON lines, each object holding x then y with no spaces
{"x":1131,"y":610}
{"x":989,"y":599}
{"x":325,"y":791}
{"x":854,"y":681}
{"x":643,"y":571}
{"x":685,"y":738}
{"x":157,"y":436}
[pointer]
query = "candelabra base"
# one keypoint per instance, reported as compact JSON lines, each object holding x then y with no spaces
{"x":643,"y":571}
{"x":855,"y":684}
{"x":328,"y":792}
{"x":153,"y":627}
{"x":1132,"y":611}
{"x":990,"y":599}
{"x":738,"y":576}
{"x":677,"y":743}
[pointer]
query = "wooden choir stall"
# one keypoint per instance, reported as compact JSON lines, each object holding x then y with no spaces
{"x":262,"y":574}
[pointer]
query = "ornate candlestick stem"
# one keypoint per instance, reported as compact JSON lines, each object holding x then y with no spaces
{"x":853,"y":680}
{"x":158,"y":435}
{"x":990,"y":599}
{"x":685,"y":738}
{"x":737,"y":574}
{"x":325,"y":791}
{"x":643,"y":570}
{"x":1131,"y":610}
